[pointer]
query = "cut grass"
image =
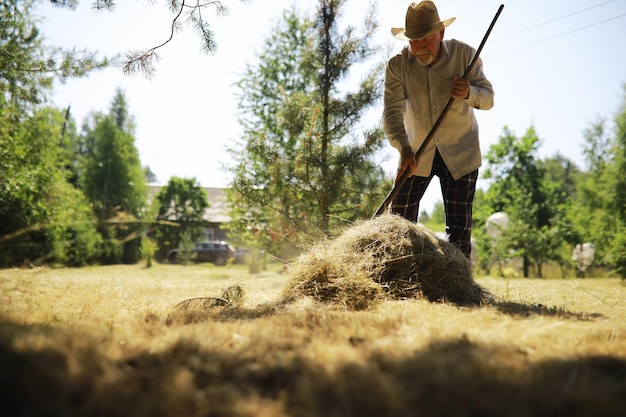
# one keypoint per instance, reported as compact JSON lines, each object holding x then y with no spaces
{"x":107,"y":341}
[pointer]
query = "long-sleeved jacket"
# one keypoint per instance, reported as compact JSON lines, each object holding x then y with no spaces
{"x":415,"y":96}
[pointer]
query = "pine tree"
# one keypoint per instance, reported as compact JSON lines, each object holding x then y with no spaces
{"x":114,"y":181}
{"x":304,"y":164}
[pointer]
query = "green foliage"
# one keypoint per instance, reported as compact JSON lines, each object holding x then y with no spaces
{"x":186,"y":254}
{"x":439,"y":213}
{"x":149,"y":175}
{"x":436,"y":221}
{"x":553,"y":204}
{"x":148,"y":249}
{"x":559,"y":170}
{"x":77,"y":241}
{"x":592,"y":214}
{"x":113,"y":177}
{"x":181,"y":203}
{"x":114,"y":181}
{"x":303,"y":167}
{"x":599,"y":214}
{"x":42,"y":217}
{"x":618,"y":203}
{"x":536,"y":206}
{"x":617,"y":251}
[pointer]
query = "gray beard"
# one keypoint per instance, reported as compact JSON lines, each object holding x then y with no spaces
{"x":425,"y":61}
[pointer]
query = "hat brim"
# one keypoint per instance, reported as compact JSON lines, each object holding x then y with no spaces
{"x":400,"y":33}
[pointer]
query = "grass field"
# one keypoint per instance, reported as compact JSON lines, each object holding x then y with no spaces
{"x":107,"y":341}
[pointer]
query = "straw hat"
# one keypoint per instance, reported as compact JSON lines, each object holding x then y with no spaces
{"x":422,"y":19}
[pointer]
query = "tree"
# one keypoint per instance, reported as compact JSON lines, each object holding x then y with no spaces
{"x":618,"y":250}
{"x":534,"y":204}
{"x":186,"y":254}
{"x":42,"y":218}
{"x":439,"y":213}
{"x":566,"y":176}
{"x":114,"y":181}
{"x":149,"y":175}
{"x":561,"y":170}
{"x":181,"y":204}
{"x":589,"y":212}
{"x":303,"y":165}
{"x":482,"y":246}
{"x":599,"y":214}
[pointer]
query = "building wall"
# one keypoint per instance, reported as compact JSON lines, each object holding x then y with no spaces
{"x":215,"y":217}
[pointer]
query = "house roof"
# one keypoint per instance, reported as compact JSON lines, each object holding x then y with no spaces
{"x":218,"y":205}
{"x":216,"y":197}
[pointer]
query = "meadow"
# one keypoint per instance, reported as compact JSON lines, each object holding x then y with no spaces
{"x":109,"y":341}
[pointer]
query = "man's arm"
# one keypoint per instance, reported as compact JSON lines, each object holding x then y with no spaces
{"x":394,"y":101}
{"x":481,"y":92}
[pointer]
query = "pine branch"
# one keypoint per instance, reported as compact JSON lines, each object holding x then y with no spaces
{"x":66,"y":63}
{"x":70,"y":4}
{"x":103,"y":5}
{"x":143,"y":61}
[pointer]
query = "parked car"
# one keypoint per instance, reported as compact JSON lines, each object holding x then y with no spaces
{"x":217,"y":252}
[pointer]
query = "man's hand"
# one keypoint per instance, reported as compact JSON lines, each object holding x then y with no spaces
{"x":407,"y":159}
{"x":461,"y":88}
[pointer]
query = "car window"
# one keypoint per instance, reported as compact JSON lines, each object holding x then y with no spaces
{"x":209,"y":246}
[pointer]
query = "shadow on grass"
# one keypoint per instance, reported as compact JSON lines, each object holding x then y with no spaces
{"x":526,"y":310}
{"x":230,"y":313}
{"x":271,"y":378}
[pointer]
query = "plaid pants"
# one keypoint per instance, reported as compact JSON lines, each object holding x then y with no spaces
{"x":458,"y":199}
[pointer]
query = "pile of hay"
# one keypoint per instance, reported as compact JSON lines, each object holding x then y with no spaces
{"x":386,"y":257}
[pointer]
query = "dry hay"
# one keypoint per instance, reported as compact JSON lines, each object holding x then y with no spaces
{"x":386,"y":257}
{"x":227,"y":306}
{"x":199,"y":309}
{"x":231,"y":296}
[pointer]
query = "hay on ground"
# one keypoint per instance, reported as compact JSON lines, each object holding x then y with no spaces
{"x":231,"y":296}
{"x":386,"y":257}
{"x":200,"y":309}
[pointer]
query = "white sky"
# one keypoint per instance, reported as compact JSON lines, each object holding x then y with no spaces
{"x":558,"y":65}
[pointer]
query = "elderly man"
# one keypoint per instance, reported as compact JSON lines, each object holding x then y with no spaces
{"x":419,"y":81}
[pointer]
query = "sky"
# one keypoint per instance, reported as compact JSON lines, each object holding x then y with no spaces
{"x":556,"y":65}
